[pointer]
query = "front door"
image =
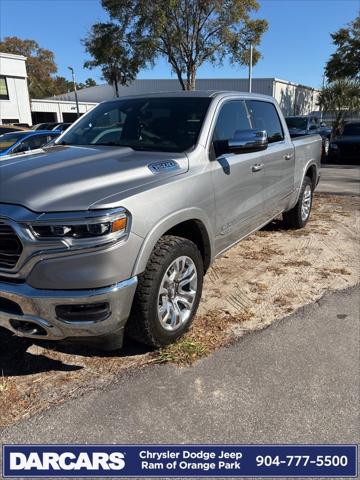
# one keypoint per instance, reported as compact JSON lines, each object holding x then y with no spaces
{"x":237,"y":179}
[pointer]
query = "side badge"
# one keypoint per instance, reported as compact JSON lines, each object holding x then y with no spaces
{"x":163,"y":166}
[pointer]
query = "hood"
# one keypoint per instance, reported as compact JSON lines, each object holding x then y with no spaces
{"x":70,"y":178}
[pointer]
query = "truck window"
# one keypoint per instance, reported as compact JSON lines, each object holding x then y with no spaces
{"x":155,"y":124}
{"x":264,"y":116}
{"x":233,"y":117}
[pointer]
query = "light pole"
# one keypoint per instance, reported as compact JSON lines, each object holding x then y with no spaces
{"x":75,"y":91}
{"x":321,"y":108}
{"x":250,"y":67}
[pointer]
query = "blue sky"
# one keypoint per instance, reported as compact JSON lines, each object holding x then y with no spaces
{"x":295,"y":47}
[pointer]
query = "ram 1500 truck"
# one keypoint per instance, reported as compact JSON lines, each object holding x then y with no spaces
{"x":113,"y":228}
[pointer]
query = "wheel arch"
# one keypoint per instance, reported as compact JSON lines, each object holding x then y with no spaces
{"x":312,"y":173}
{"x":191,"y":224}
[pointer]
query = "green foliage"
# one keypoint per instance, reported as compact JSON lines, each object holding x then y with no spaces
{"x":345,"y":62}
{"x":186,"y":32}
{"x":116,"y":51}
{"x":341,"y":97}
{"x":89,"y":82}
{"x":40,"y":63}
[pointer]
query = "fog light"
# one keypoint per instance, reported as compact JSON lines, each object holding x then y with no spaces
{"x":88,"y":312}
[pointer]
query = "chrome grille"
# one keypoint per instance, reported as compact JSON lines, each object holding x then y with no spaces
{"x":10,"y":247}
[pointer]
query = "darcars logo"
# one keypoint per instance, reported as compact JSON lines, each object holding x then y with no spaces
{"x":66,"y":461}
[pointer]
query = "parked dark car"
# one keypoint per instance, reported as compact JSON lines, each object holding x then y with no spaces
{"x":45,"y":126}
{"x":61,"y":127}
{"x":346,"y":146}
{"x":24,"y":125}
{"x":308,"y":125}
{"x":11,"y":128}
{"x":21,"y":142}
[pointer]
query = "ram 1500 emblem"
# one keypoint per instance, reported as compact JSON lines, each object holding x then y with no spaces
{"x":164,"y":166}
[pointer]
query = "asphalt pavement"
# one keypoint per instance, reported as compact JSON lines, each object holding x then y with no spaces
{"x":340,"y":179}
{"x":295,"y":382}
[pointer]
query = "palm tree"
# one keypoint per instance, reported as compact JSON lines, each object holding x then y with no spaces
{"x":341,"y":97}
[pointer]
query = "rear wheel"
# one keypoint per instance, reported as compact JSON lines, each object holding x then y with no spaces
{"x":168,"y":292}
{"x":298,"y":216}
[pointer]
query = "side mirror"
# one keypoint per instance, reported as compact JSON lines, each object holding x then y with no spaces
{"x":244,"y":141}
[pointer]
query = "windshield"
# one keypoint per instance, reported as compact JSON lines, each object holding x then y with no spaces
{"x":352,"y":129}
{"x":9,"y":139}
{"x":297,"y":122}
{"x":159,"y":124}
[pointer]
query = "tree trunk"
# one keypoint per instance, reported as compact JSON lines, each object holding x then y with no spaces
{"x":191,"y":78}
{"x":181,"y":81}
{"x":116,"y":88}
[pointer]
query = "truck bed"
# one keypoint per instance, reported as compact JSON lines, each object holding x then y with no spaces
{"x":307,"y":148}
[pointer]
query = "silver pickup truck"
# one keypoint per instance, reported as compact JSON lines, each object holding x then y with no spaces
{"x":113,"y":228}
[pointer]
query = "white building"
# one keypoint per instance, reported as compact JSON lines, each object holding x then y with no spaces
{"x":15,"y":104}
{"x":54,"y":110}
{"x":16,"y":107}
{"x":293,"y":98}
{"x":14,"y":94}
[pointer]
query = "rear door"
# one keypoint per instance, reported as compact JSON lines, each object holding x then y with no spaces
{"x":278,"y":158}
{"x":238,"y":186}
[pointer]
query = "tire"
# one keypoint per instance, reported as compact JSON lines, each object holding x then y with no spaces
{"x":158,"y":316}
{"x":298,"y":216}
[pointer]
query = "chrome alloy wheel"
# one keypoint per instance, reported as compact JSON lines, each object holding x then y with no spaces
{"x":306,"y":203}
{"x":177,"y":293}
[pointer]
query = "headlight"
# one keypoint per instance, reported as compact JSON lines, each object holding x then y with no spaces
{"x":82,"y":228}
{"x":334,"y":146}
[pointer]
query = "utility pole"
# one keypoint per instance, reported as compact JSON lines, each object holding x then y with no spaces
{"x":250,"y":67}
{"x":321,"y":108}
{"x":75,"y":91}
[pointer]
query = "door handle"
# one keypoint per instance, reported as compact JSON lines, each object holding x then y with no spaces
{"x":288,"y":156}
{"x":257,"y":167}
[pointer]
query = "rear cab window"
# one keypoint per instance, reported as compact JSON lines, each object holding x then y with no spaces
{"x":264,"y":116}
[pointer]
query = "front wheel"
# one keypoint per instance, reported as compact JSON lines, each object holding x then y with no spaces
{"x":168,"y":292}
{"x":298,"y":216}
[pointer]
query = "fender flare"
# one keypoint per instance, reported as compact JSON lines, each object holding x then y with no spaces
{"x":165,"y":224}
{"x":295,"y":197}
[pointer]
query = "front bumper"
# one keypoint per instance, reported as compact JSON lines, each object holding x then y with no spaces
{"x":23,"y":307}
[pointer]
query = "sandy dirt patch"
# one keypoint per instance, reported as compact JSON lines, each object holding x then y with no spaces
{"x":266,"y":277}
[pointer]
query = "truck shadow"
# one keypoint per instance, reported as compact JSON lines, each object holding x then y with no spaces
{"x":16,"y":360}
{"x":275,"y":225}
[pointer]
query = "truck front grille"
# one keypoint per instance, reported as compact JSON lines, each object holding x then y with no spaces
{"x":10,"y":247}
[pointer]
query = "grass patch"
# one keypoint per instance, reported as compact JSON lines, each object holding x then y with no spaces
{"x":297,"y":263}
{"x":3,"y":383}
{"x":263,"y":254}
{"x":339,"y":271}
{"x":183,"y":352}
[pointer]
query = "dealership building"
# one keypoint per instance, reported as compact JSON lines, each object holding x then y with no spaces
{"x":15,"y":104}
{"x":294,"y":99}
{"x":14,"y":94}
{"x":16,"y":107}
